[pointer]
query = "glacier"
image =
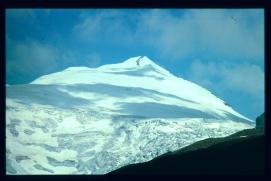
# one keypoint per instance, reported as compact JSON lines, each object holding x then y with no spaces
{"x":94,"y":120}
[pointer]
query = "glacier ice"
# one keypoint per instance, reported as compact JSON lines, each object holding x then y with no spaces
{"x":92,"y":121}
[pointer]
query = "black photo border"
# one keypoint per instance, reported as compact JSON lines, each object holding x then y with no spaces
{"x":197,"y":4}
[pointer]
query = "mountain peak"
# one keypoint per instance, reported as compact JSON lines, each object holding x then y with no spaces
{"x":134,"y":106}
{"x":136,"y":62}
{"x":139,"y":60}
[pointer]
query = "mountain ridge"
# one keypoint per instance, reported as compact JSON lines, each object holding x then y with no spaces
{"x":138,"y":77}
{"x":95,"y":120}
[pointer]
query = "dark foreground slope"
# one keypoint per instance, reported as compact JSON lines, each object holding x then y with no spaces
{"x":241,"y":153}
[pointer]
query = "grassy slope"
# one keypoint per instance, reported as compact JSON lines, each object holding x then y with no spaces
{"x":234,"y":154}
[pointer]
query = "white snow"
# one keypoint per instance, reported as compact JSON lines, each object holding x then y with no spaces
{"x":95,"y":120}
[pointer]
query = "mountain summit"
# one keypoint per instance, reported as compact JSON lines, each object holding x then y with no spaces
{"x":135,"y":76}
{"x":94,"y":120}
{"x":136,"y":66}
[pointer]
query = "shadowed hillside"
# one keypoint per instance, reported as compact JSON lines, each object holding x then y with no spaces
{"x":240,"y":153}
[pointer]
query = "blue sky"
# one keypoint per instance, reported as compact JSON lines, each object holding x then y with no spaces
{"x":220,"y":49}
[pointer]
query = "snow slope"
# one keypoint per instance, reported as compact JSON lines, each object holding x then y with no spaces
{"x":94,"y":120}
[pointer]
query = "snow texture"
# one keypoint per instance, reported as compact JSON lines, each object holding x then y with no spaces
{"x":92,"y":121}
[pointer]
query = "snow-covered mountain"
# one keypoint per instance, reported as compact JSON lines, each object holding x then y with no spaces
{"x":94,"y":120}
